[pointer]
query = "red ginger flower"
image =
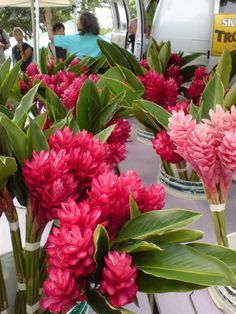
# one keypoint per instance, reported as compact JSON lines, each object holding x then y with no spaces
{"x":118,"y":279}
{"x":74,"y":62}
{"x":32,"y":69}
{"x":110,"y":194}
{"x":50,"y":182}
{"x":174,"y":72}
{"x":144,"y":64}
{"x":198,"y":84}
{"x":165,"y":147}
{"x":184,"y":105}
{"x":61,"y":291}
{"x":201,"y":73}
{"x":175,"y":58}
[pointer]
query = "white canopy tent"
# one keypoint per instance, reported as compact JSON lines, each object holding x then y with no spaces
{"x":35,"y":5}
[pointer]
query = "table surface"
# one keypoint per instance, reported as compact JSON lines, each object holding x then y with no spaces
{"x":145,"y":162}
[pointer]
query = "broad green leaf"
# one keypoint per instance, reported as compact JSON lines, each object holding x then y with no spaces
{"x":117,"y":87}
{"x":138,"y":246}
{"x":88,"y":97}
{"x":189,"y":58}
{"x":133,"y":81}
{"x":37,"y":138}
{"x":9,"y":82}
{"x":41,"y":120}
{"x":78,"y":68}
{"x":17,"y":137}
{"x":114,"y":73}
{"x":97,"y":65}
{"x":26,"y":103}
{"x":194,"y":111}
{"x":60,"y":124}
{"x":224,"y":67}
{"x":135,"y":67}
{"x":134,"y":210}
{"x":102,"y":246}
{"x":145,"y":118}
{"x":16,"y":185}
{"x":7,"y":112}
{"x":4,"y":69}
{"x":182,"y":235}
{"x":70,"y":59}
{"x":224,"y":254}
{"x":105,"y":134}
{"x":56,"y":109}
{"x":101,"y":305}
{"x":8,"y":167}
{"x":113,"y":54}
{"x":164,"y":55}
{"x":188,"y":72}
{"x":73,"y":125}
{"x":156,"y":222}
{"x":181,"y":262}
{"x":105,"y":96}
{"x":212,"y":95}
{"x":43,"y":61}
{"x":154,"y":61}
{"x":233,"y":58}
{"x":5,"y":143}
{"x":156,"y":111}
{"x":152,"y":284}
{"x":230,"y":97}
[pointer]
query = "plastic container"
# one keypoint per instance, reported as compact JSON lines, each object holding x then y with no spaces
{"x":181,"y":188}
{"x":144,"y":135}
{"x":225,"y":297}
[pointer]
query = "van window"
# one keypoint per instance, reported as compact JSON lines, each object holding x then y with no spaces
{"x":121,"y":16}
{"x":227,"y":6}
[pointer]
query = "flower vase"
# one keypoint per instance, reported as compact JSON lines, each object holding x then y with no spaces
{"x":184,"y":189}
{"x":225,"y":297}
{"x":144,"y":135}
{"x":80,"y":308}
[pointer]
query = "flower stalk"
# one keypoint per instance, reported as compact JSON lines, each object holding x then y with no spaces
{"x":3,"y":293}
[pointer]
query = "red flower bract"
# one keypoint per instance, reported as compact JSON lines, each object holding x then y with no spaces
{"x":118,"y":279}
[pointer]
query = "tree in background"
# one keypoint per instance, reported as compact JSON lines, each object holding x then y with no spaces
{"x":12,"y":17}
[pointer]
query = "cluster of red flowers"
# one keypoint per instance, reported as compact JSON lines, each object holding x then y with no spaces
{"x":74,"y":183}
{"x":198,"y":84}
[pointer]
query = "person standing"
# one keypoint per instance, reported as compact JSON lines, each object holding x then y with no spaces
{"x":85,"y":42}
{"x":4,"y":44}
{"x":22,"y":50}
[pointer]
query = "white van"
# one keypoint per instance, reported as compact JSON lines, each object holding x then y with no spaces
{"x":205,"y":26}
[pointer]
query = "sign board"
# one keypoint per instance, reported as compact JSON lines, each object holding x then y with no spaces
{"x":224,"y":33}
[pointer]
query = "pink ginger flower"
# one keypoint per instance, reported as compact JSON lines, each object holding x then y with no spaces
{"x":50,"y":182}
{"x":144,"y":64}
{"x":23,"y":87}
{"x":74,"y":62}
{"x":175,"y":58}
{"x":118,"y":279}
{"x":32,"y":70}
{"x":110,"y":194}
{"x":165,"y":147}
{"x":184,"y":105}
{"x":72,"y":247}
{"x":51,"y":66}
{"x":61,"y":291}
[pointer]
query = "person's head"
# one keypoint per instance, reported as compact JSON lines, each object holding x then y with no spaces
{"x":58,"y":29}
{"x":88,"y":23}
{"x":132,"y":28}
{"x":18,"y":34}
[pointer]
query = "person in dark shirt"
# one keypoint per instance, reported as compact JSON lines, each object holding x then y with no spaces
{"x":132,"y":28}
{"x":57,"y":53}
{"x":22,"y":50}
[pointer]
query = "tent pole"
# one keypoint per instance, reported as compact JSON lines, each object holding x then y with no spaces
{"x":37,"y":29}
{"x":33,"y":24}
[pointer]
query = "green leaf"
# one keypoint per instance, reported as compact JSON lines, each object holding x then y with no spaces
{"x":137,"y":246}
{"x":154,"y":61}
{"x":224,"y":67}
{"x":152,"y":284}
{"x":224,"y":254}
{"x":189,"y":58}
{"x":41,"y":120}
{"x":230,"y":97}
{"x":88,"y":97}
{"x":8,"y":167}
{"x":101,"y":305}
{"x":182,"y":263}
{"x":37,"y":138}
{"x":78,"y":68}
{"x":233,"y":58}
{"x":97,"y":65}
{"x":145,"y":118}
{"x":26,"y":103}
{"x":60,"y":124}
{"x":156,"y":222}
{"x":188,"y":72}
{"x":4,"y":69}
{"x":105,"y":96}
{"x":105,"y":134}
{"x":70,"y":59}
{"x":164,"y":55}
{"x":113,"y":54}
{"x":102,"y":246}
{"x":156,"y":111}
{"x":56,"y":109}
{"x":17,"y":137}
{"x":212,"y":95}
{"x":43,"y":61}
{"x":9,"y":82}
{"x":194,"y":111}
{"x":7,"y":112}
{"x":134,"y":210}
{"x":117,"y":87}
{"x":183,"y":235}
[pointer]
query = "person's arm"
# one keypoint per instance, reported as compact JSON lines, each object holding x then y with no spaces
{"x":25,"y":53}
{"x":48,"y":21}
